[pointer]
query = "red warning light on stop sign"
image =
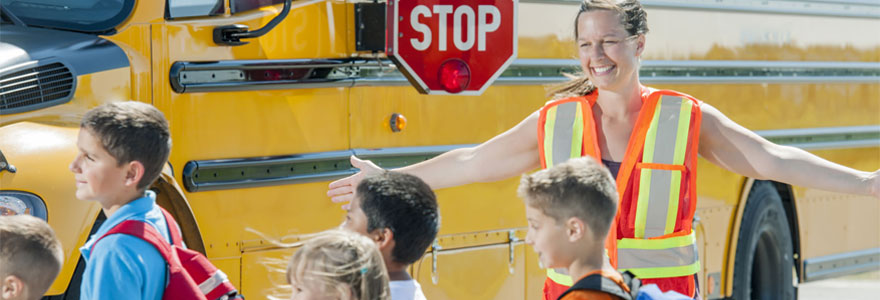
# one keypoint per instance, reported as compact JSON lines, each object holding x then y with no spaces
{"x":451,"y":47}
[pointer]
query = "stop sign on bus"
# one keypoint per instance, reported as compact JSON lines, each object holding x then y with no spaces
{"x":451,"y":46}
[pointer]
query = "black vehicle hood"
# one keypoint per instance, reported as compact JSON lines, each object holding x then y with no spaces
{"x":82,"y":53}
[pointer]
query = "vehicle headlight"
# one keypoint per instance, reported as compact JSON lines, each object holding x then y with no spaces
{"x":21,"y":203}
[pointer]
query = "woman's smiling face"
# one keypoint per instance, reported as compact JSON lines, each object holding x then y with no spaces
{"x":609,"y":55}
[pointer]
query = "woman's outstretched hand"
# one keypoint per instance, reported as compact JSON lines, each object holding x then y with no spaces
{"x":342,"y":190}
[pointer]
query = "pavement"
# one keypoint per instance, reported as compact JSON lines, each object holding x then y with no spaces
{"x":854,"y":287}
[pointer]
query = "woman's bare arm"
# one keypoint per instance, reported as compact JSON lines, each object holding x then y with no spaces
{"x":735,"y":148}
{"x":506,"y":155}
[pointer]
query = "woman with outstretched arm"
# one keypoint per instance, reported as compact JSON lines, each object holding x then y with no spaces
{"x":648,"y":138}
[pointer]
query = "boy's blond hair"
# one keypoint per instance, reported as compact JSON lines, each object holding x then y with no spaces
{"x":579,"y":187}
{"x":30,"y":251}
{"x":343,"y":263}
{"x":132,"y":131}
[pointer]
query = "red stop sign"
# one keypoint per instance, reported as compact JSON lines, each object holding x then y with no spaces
{"x":451,"y":46}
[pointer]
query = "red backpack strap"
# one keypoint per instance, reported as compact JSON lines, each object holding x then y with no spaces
{"x":173,"y":231}
{"x":179,"y":284}
{"x":143,"y":231}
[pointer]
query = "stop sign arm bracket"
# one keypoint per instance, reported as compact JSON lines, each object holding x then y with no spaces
{"x":369,"y":21}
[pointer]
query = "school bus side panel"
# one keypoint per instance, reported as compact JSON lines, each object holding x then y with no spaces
{"x":478,"y":209}
{"x":252,"y":124}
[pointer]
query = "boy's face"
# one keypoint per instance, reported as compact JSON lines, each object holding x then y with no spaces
{"x":98,"y":176}
{"x":355,"y":219}
{"x":548,"y":238}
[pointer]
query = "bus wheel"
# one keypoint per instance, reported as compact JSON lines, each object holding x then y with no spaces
{"x":764,"y":262}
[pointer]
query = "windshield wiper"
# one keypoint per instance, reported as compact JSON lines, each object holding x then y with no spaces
{"x":15,"y":20}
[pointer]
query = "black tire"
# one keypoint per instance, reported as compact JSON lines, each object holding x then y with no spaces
{"x":764,"y":257}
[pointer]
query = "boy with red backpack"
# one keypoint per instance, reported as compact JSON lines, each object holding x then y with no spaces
{"x":137,"y":252}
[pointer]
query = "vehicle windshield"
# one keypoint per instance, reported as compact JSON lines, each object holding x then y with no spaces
{"x":80,"y":15}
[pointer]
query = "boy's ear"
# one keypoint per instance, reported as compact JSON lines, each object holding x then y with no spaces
{"x":383,"y":237}
{"x":134,"y":173}
{"x":11,"y":287}
{"x":576,"y":229}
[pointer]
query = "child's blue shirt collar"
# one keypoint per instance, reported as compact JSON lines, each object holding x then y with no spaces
{"x":134,"y":210}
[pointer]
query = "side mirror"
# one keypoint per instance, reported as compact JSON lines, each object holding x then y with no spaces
{"x":231,"y":35}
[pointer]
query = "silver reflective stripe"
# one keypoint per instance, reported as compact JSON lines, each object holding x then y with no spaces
{"x":213,"y":282}
{"x":667,"y":129}
{"x":664,"y":153}
{"x":658,"y":202}
{"x":628,"y":258}
{"x":562,"y":130}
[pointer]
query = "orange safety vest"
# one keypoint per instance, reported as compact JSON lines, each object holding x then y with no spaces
{"x":651,"y":235}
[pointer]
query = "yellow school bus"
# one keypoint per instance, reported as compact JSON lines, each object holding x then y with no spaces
{"x":262,"y":120}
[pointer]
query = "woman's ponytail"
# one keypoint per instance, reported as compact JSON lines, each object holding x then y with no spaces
{"x":576,"y":87}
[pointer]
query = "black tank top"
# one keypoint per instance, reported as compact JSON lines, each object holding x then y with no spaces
{"x":612,"y":166}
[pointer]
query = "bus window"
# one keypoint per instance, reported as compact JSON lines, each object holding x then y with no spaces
{"x":87,"y":16}
{"x":237,"y":6}
{"x":194,"y":8}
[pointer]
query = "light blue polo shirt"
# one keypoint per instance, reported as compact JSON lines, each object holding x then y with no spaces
{"x":122,"y":266}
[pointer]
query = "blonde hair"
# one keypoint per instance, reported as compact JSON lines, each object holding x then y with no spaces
{"x":341,"y":262}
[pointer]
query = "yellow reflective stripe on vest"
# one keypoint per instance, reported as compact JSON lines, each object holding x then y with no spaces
{"x":665,"y":143}
{"x":563,"y":132}
{"x":681,"y":142}
{"x":657,"y":244}
{"x":577,"y":132}
{"x":659,"y":258}
{"x":559,"y":278}
{"x":548,"y":135}
{"x":645,"y":175}
{"x":684,"y":123}
{"x":647,"y":273}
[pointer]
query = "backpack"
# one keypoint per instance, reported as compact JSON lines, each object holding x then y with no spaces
{"x":637,"y":291}
{"x":190,"y":274}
